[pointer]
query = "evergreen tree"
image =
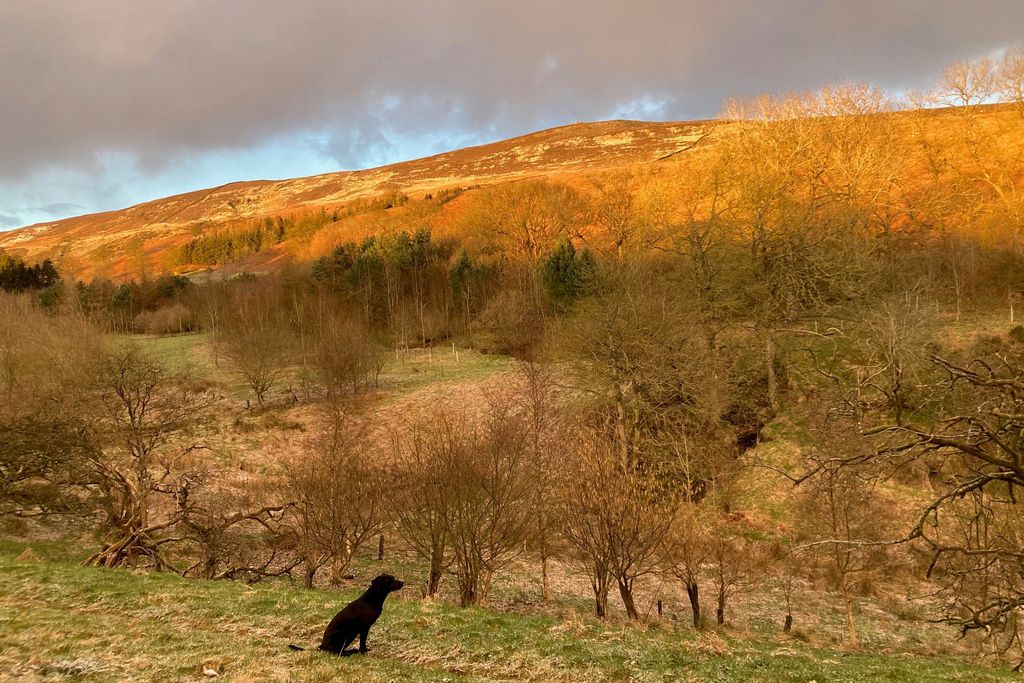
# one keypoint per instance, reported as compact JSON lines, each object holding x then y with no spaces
{"x":567,"y":274}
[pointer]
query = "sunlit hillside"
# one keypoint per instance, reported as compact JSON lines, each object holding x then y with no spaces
{"x":117,"y":242}
{"x":911,"y":153}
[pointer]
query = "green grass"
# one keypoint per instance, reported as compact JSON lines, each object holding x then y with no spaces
{"x":416,"y":368}
{"x":181,"y":351}
{"x":60,"y":621}
{"x":404,"y":371}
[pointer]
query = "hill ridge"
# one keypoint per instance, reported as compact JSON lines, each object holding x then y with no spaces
{"x":156,"y":224}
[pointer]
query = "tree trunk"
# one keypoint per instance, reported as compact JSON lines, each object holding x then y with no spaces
{"x":788,"y":624}
{"x":436,"y":569}
{"x":310,"y":574}
{"x":626,"y":592}
{"x":773,"y":381}
{"x":599,"y":582}
{"x":545,"y":586}
{"x":693,"y":593}
{"x":601,"y":602}
{"x":468,"y":594}
{"x":209,"y":566}
{"x":850,"y":624}
{"x":720,"y":612}
{"x":134,"y":541}
{"x":340,"y":561}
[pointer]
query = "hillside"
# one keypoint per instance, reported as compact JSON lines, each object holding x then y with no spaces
{"x":184,"y":630}
{"x":930,"y":152}
{"x":152,"y":227}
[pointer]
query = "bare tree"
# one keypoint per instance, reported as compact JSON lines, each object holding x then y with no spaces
{"x":967,"y":84}
{"x":489,"y":512}
{"x":970,"y":524}
{"x":841,"y":518}
{"x":546,"y":433}
{"x":254,"y":338}
{"x":736,"y":565}
{"x":337,"y":498}
{"x":702,"y":233}
{"x":977,"y":173}
{"x":685,"y":552}
{"x":1010,"y":79}
{"x":466,"y":490}
{"x":633,"y":349}
{"x":343,"y":354}
{"x":615,"y":517}
{"x":888,"y":362}
{"x":419,"y":507}
{"x":144,"y":417}
{"x":632,"y":210}
{"x":231,"y":526}
{"x":797,"y":205}
{"x":527,"y":219}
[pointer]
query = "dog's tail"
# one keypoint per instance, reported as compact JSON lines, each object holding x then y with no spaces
{"x":296,"y":647}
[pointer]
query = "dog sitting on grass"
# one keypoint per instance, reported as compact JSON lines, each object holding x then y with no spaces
{"x":357,"y":618}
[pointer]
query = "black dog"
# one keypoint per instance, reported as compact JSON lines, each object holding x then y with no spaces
{"x":357,"y":618}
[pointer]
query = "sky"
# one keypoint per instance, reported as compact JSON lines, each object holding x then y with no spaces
{"x":107,"y":103}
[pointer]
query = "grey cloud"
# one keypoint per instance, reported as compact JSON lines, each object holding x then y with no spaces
{"x":59,"y":208}
{"x":163,"y":80}
{"x":9,"y":221}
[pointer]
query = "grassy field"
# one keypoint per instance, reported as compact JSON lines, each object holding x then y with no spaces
{"x":61,"y":621}
{"x":403,"y":371}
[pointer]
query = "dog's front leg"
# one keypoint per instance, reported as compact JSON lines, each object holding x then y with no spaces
{"x":362,"y":640}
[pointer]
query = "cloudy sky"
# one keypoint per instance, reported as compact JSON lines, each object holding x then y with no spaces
{"x":106,"y":103}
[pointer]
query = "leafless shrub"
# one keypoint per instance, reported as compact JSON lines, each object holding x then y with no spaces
{"x":841,"y":519}
{"x":466,"y":490}
{"x":143,"y":411}
{"x":336,"y":492}
{"x":615,"y":517}
{"x":737,"y":564}
{"x":343,"y":354}
{"x":685,"y":550}
{"x":420,"y":502}
{"x":175,"y":318}
{"x":254,"y":337}
{"x":232,"y":526}
{"x":547,"y":429}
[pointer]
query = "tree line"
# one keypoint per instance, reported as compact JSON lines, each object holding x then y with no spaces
{"x":17,"y":276}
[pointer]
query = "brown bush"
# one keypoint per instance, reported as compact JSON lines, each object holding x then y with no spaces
{"x":465,"y":495}
{"x":175,"y":318}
